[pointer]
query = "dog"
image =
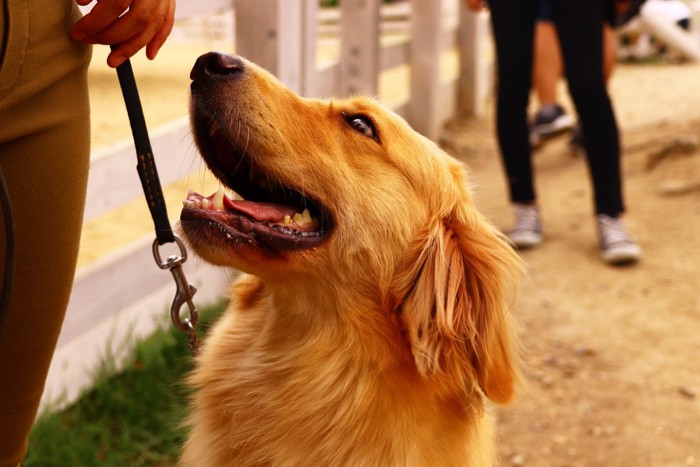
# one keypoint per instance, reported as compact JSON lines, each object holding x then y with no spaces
{"x":371,"y":322}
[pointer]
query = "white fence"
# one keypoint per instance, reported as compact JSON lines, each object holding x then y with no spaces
{"x":125,"y":295}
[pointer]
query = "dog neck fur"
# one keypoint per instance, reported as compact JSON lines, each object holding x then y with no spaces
{"x":295,"y":379}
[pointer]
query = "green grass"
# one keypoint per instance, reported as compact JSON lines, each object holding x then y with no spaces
{"x":133,"y":418}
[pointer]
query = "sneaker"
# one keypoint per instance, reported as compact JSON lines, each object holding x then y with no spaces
{"x":550,"y":121}
{"x":527,"y":231}
{"x":616,"y":246}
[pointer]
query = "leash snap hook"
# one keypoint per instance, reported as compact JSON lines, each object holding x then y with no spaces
{"x":184,"y":293}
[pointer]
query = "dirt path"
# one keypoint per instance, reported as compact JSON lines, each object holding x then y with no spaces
{"x":612,"y":355}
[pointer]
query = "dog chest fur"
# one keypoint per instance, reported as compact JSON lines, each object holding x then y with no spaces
{"x":279,"y":393}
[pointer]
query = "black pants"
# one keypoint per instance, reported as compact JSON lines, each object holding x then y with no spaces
{"x":579,"y":25}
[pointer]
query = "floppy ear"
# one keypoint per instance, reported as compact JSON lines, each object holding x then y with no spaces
{"x":456,"y":286}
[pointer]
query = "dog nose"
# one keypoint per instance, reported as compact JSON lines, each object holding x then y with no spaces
{"x":216,"y":64}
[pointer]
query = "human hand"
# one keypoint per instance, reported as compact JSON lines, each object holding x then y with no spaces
{"x":475,"y":5}
{"x":128,"y":24}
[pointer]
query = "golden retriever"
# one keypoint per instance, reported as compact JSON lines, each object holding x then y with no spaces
{"x":373,"y":321}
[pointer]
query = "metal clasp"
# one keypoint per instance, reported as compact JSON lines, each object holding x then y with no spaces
{"x":184,"y":294}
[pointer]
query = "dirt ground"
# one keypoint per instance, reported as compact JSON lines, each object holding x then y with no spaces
{"x":611,"y":355}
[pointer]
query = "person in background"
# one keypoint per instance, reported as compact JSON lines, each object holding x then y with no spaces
{"x":551,"y":119}
{"x":44,"y":159}
{"x":579,"y":25}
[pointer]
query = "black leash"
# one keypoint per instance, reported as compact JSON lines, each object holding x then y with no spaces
{"x":156,"y":204}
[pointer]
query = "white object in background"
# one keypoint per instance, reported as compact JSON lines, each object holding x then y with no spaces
{"x":660,"y":17}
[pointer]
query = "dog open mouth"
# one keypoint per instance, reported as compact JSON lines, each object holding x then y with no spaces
{"x":263,"y":211}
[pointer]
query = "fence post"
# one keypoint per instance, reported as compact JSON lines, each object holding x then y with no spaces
{"x":309,"y":45}
{"x":476,"y":62}
{"x":425,"y":67}
{"x":359,"y":46}
{"x":269,"y":33}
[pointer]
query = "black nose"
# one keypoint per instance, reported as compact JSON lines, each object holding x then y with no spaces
{"x":216,"y":64}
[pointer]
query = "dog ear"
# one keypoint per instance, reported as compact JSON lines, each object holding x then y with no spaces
{"x":454,"y":308}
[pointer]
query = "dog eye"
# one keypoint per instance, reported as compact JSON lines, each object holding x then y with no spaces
{"x":362,"y":124}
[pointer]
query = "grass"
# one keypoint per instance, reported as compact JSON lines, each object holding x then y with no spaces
{"x":132,"y":418}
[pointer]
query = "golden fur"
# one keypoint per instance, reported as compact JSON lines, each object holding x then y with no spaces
{"x":377,"y":346}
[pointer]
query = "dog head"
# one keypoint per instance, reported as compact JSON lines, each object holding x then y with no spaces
{"x":343,"y":200}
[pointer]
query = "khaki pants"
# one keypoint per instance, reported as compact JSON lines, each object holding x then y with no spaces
{"x":44,"y":155}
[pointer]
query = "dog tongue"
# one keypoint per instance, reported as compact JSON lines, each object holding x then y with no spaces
{"x":263,"y":212}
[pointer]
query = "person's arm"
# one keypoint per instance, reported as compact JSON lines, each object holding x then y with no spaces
{"x":128,"y":24}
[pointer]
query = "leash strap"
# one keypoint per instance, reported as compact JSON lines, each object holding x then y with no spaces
{"x":146,"y":163}
{"x":150,"y":181}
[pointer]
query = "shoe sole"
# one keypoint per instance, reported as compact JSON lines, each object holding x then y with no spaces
{"x":524,"y":242}
{"x":622,"y":256}
{"x":543,"y":132}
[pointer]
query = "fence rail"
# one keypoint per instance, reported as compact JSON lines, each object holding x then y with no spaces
{"x":125,"y":295}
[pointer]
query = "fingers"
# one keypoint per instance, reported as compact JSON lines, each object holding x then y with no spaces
{"x":131,"y":24}
{"x":159,"y":39}
{"x":104,"y":13}
{"x":132,"y":31}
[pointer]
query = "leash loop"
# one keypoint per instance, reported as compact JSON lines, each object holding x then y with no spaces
{"x":184,"y":294}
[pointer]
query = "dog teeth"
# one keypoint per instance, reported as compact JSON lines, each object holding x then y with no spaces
{"x":305,"y":218}
{"x":218,"y":199}
{"x":203,"y":203}
{"x":216,"y":203}
{"x":300,"y":219}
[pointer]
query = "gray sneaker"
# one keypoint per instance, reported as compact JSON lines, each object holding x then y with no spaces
{"x":527,"y":231}
{"x":616,"y":246}
{"x":550,"y":121}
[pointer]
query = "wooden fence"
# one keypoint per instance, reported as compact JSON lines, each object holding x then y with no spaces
{"x":125,"y":296}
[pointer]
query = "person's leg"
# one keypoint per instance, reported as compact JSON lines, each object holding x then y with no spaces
{"x":513,"y":26}
{"x":547,"y":64}
{"x":550,"y":119}
{"x":609,"y":52}
{"x":609,"y":61}
{"x":580,"y":28}
{"x":44,"y":154}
